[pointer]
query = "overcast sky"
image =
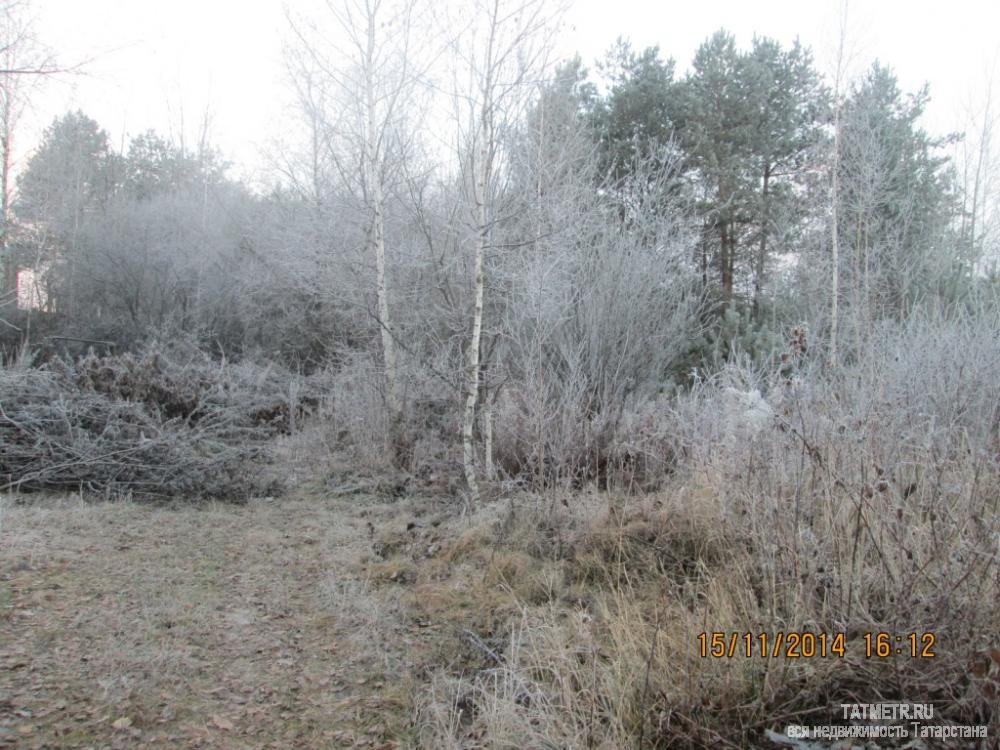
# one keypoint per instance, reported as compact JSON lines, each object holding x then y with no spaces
{"x":158,"y":64}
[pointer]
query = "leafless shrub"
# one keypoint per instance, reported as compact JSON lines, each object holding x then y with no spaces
{"x":856,"y":501}
{"x":355,"y":419}
{"x":557,"y":442}
{"x":356,"y":412}
{"x":869,"y":501}
{"x":597,"y":319}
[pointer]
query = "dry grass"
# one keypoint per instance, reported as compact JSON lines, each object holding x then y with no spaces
{"x":605,"y":652}
{"x":215,"y":626}
{"x":563,"y":620}
{"x":531,"y":623}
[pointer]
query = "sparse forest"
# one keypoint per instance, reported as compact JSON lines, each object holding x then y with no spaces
{"x":553,"y":366}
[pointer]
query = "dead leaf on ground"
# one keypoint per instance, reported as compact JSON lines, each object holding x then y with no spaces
{"x":122,"y":723}
{"x":222,"y":723}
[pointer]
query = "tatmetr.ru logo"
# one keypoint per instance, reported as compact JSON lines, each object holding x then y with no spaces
{"x":882,"y":721}
{"x":887,"y":711}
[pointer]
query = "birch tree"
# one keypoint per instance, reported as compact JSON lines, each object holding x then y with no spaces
{"x":363,"y":57}
{"x":978,"y":165}
{"x":838,"y":83}
{"x":502,"y":53}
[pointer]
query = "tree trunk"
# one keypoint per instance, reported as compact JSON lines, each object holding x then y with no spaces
{"x":397,"y":426}
{"x":835,"y":242}
{"x":704,"y":254}
{"x":472,"y":361}
{"x":835,"y":194}
{"x":487,"y":429}
{"x":472,"y":373}
{"x":399,"y":452}
{"x":7,"y":265}
{"x":725,"y":262}
{"x":758,"y":281}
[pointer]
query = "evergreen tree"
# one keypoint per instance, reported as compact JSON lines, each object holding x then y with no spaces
{"x":747,"y":123}
{"x":896,"y":200}
{"x":714,"y":121}
{"x":155,"y":166}
{"x":633,"y":120}
{"x":788,"y":107}
{"x":70,"y":177}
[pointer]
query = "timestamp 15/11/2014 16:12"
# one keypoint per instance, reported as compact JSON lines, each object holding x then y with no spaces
{"x":796,"y":645}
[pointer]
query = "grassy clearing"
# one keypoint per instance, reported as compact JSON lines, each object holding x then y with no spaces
{"x":225,"y":626}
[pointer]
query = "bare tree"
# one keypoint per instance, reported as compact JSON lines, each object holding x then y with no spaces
{"x":366,"y":69}
{"x":24,"y":62}
{"x":503,"y":54}
{"x":978,"y":167}
{"x":835,"y":187}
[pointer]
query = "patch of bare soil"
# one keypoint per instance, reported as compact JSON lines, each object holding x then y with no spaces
{"x":255,"y":626}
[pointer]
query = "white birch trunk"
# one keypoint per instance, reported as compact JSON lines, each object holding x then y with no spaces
{"x":376,"y":239}
{"x":472,"y":360}
{"x":487,"y":421}
{"x":835,"y":242}
{"x":835,"y":197}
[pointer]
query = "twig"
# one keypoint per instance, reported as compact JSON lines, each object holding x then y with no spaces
{"x":110,"y":344}
{"x":645,"y":682}
{"x":476,"y":641}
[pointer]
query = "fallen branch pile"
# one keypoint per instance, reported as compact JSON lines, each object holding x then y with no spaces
{"x":155,"y":423}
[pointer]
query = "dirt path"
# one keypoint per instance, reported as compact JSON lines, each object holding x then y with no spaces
{"x":248,"y":626}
